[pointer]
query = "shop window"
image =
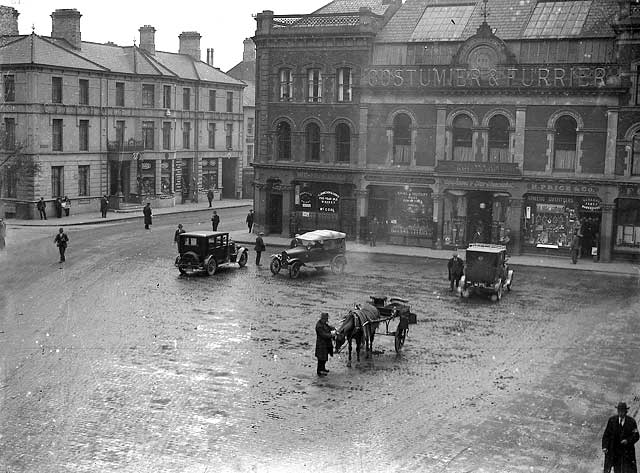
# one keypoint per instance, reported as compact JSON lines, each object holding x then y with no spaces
{"x":283,"y":133}
{"x":549,"y":221}
{"x":165,"y":177}
{"x":148,"y":96}
{"x":411,"y":217}
{"x":57,"y":181}
{"x":83,"y":132}
{"x":343,"y":143}
{"x":56,"y":89}
{"x":635,"y":155}
{"x":147,"y":183}
{"x":56,"y":132}
{"x":9,"y":88}
{"x":344,"y":84}
{"x":312,"y":135}
{"x":83,"y":181}
{"x":402,"y":139}
{"x":499,"y":139}
{"x":565,"y":144}
{"x":209,"y":173}
{"x":462,"y":138}
{"x":147,"y":135}
{"x":83,"y":85}
{"x":314,"y":85}
{"x":119,"y":94}
{"x":286,"y":84}
{"x":627,"y":224}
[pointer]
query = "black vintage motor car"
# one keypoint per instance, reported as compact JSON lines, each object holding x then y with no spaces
{"x":317,"y":249}
{"x":486,"y":271}
{"x":205,"y":251}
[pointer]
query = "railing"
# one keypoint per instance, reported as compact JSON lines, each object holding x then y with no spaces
{"x":306,"y":21}
{"x":402,"y":154}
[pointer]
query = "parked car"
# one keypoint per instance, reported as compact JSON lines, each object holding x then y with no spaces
{"x":206,"y":251}
{"x":317,"y":249}
{"x":486,"y":271}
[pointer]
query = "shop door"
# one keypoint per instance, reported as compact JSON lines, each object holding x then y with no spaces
{"x":229,"y":178}
{"x":590,"y":227}
{"x":379,"y":208}
{"x":274,"y":214}
{"x":120,"y":178}
{"x":479,"y":217}
{"x":186,"y":180}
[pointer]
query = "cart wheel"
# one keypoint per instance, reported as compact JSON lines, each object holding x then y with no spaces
{"x":294,"y":271}
{"x":243,"y":259}
{"x":399,"y":339}
{"x":211,"y":266}
{"x":275,"y":266}
{"x":337,"y":264}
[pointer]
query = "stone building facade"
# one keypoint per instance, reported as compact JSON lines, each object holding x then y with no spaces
{"x":513,"y":123}
{"x":130,"y":122}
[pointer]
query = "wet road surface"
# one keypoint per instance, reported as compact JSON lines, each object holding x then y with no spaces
{"x":116,"y":363}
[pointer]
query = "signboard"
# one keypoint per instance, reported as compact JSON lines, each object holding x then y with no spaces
{"x":146,"y":165}
{"x":562,"y":188}
{"x":591,"y":204}
{"x":629,"y":190}
{"x":177,"y":184}
{"x":467,"y":167}
{"x":306,"y":200}
{"x":328,"y":201}
{"x":476,"y":184}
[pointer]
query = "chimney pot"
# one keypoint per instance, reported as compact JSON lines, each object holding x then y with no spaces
{"x":66,"y":25}
{"x":210,"y":56}
{"x":249,"y":51}
{"x":8,"y":21}
{"x":148,"y":38}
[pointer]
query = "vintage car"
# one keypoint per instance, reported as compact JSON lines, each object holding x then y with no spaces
{"x":486,"y":271}
{"x":205,"y":251}
{"x":317,"y":249}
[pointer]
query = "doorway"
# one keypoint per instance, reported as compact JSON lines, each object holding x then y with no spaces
{"x":229,"y":178}
{"x":479,"y":213}
{"x":274,"y":214}
{"x":186,"y":180}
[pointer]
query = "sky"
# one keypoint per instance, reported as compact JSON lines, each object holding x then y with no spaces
{"x":223,"y":24}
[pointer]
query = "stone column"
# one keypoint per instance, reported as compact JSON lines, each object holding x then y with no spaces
{"x":389,"y":160}
{"x":362,"y":141}
{"x":518,"y":149}
{"x":438,"y":218}
{"x":414,"y":146}
{"x":610,"y":153}
{"x":287,"y":200}
{"x":606,"y":232}
{"x":362,"y":203}
{"x":514,"y":221}
{"x":260,"y":206}
{"x":441,"y":134}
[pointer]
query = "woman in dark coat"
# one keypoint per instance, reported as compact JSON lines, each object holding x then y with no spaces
{"x":147,"y":215}
{"x":324,"y":343}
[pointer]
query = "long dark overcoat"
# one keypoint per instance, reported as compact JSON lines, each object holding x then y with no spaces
{"x":147,"y":215}
{"x":617,"y":453}
{"x":456,"y":269}
{"x":324,"y":344}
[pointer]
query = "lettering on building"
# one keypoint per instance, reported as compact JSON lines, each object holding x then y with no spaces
{"x":565,"y":188}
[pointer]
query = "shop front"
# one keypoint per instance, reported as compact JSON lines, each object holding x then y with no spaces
{"x":404,"y":215}
{"x":166,"y":177}
{"x":318,"y":205}
{"x":551,"y":220}
{"x":626,"y":231}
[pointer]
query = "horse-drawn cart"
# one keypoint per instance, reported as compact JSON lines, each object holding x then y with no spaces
{"x":396,"y":309}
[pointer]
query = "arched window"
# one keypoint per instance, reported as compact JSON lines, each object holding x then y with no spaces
{"x":462,"y":138}
{"x":499,"y":139}
{"x":312,"y":135}
{"x":635,"y":156}
{"x":402,"y":139}
{"x":283,"y":133}
{"x":343,"y":143}
{"x":565,"y":144}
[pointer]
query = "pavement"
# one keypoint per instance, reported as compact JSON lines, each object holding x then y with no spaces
{"x":245,"y":238}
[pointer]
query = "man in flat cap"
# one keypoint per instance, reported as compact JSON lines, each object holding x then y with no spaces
{"x":324,"y":343}
{"x":618,"y":440}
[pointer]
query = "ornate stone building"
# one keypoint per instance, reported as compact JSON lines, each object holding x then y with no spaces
{"x":490,"y":121}
{"x":131,"y":122}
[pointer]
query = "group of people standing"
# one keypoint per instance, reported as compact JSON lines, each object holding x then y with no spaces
{"x":61,"y":205}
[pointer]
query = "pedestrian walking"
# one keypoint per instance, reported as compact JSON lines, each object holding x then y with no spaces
{"x":324,"y":343}
{"x":455,"y":266}
{"x":373,"y":231}
{"x":618,"y":441}
{"x":210,"y":196}
{"x":215,"y":221}
{"x":147,"y":215}
{"x":249,"y":220}
{"x":42,"y":208}
{"x":66,"y":205}
{"x":3,"y":233}
{"x":575,"y":247}
{"x":61,"y":240}
{"x":260,"y":247}
{"x":177,"y":233}
{"x":104,"y":206}
{"x":58,"y":206}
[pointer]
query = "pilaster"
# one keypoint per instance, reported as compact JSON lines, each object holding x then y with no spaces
{"x":441,"y":134}
{"x":438,"y":218}
{"x":606,"y":232}
{"x":612,"y":134}
{"x":518,"y":155}
{"x":514,"y":223}
{"x":362,"y":142}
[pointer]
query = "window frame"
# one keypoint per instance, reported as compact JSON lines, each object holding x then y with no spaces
{"x":186,"y":98}
{"x":342,"y":143}
{"x":283,"y":139}
{"x":345,"y":88}
{"x":211,"y":130}
{"x":57,"y":134}
{"x":83,"y":135}
{"x":186,"y":135}
{"x":148,"y":96}
{"x":57,"y":181}
{"x":502,"y":142}
{"x":312,"y":143}
{"x":83,"y":91}
{"x":285,"y":84}
{"x":166,"y":135}
{"x":404,"y":139}
{"x":229,"y":135}
{"x":9,"y":134}
{"x":229,"y":102}
{"x":314,"y":85}
{"x":84,"y":175}
{"x":56,"y":89}
{"x":9,"y":81}
{"x":212,"y":99}
{"x":564,"y":145}
{"x":120,"y":94}
{"x":166,"y":97}
{"x":148,"y":135}
{"x":461,"y":136}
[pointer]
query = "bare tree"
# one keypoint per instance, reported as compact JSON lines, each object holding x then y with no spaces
{"x":16,"y":167}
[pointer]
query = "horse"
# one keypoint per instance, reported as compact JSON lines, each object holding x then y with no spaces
{"x":360,"y":324}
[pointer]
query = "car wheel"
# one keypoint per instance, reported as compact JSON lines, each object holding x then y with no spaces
{"x":338,"y":264}
{"x":211,"y":266}
{"x":188,"y":263}
{"x":275,"y":266}
{"x":294,"y":270}
{"x":243,"y":259}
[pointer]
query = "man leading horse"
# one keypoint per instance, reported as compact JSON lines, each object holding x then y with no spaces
{"x":359,"y":324}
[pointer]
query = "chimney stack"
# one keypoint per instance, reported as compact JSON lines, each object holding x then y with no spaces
{"x":249,"y":51}
{"x":66,"y":25}
{"x":210,"y":56}
{"x":148,"y":38}
{"x":190,"y":44}
{"x":8,"y":21}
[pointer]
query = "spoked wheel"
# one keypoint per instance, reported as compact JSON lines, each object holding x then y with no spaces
{"x":187,"y":263}
{"x":243,"y":259}
{"x":211,"y":266}
{"x":338,"y":264}
{"x":275,"y":266}
{"x":401,"y":334}
{"x":294,"y":270}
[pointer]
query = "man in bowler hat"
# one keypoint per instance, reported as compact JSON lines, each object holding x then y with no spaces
{"x":324,"y":343}
{"x":618,"y":439}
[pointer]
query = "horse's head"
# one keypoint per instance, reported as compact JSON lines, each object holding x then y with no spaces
{"x":343,"y":330}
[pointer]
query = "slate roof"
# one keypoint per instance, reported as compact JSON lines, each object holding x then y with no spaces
{"x":47,"y":51}
{"x":352,"y":6}
{"x":509,"y":17}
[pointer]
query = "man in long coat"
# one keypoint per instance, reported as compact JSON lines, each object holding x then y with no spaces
{"x":104,"y":206}
{"x":147,"y":215}
{"x":455,"y":266}
{"x":215,"y":221}
{"x":324,"y":343}
{"x":618,"y":442}
{"x":259,"y":248}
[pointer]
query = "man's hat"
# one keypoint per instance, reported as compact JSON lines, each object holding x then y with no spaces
{"x":622,"y":406}
{"x":179,"y":225}
{"x":324,"y":315}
